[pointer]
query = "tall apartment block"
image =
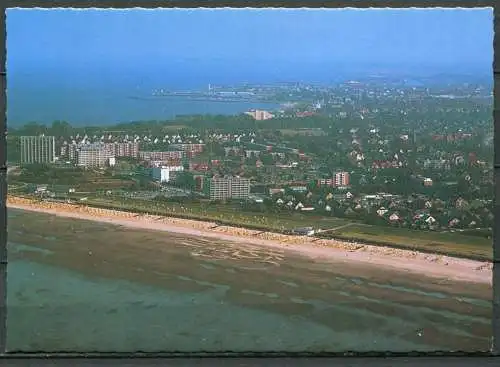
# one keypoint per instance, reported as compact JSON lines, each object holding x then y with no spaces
{"x":165,"y":173}
{"x":342,"y":179}
{"x":240,"y":187}
{"x":38,"y":149}
{"x":69,"y":152}
{"x":189,"y":150}
{"x":224,"y":188}
{"x":73,"y":153}
{"x":160,"y":156}
{"x":196,"y":148}
{"x":339,"y":179}
{"x":128,"y":149}
{"x":199,"y":182}
{"x":95,"y":155}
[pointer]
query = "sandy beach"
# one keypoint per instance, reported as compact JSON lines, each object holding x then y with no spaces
{"x":436,"y":266}
{"x":161,"y":278}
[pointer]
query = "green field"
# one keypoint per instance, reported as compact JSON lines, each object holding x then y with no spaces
{"x":453,"y":244}
{"x":222,"y":212}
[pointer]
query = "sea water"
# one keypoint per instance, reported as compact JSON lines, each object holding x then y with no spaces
{"x":51,"y":308}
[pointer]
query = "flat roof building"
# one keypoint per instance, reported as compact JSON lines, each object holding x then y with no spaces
{"x":224,"y":188}
{"x":124,"y":149}
{"x":164,"y":173}
{"x":95,"y":155}
{"x":38,"y":149}
{"x":197,"y":148}
{"x":260,"y":115}
{"x":160,"y":156}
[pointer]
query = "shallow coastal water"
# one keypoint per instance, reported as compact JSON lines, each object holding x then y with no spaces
{"x":83,"y":286}
{"x":53,"y":309}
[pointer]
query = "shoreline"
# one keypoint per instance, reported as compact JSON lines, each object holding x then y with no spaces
{"x":435,"y":266}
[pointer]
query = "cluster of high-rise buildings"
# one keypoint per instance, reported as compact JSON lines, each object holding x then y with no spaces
{"x":98,"y":154}
{"x":42,"y":149}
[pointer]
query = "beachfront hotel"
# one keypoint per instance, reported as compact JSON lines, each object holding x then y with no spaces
{"x":224,"y":188}
{"x":38,"y":149}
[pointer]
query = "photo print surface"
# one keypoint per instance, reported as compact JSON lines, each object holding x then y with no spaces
{"x":249,"y":180}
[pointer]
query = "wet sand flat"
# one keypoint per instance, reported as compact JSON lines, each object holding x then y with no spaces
{"x":438,"y":266}
{"x":354,"y":305}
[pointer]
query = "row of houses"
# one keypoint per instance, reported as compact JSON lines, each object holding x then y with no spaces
{"x":392,"y":209}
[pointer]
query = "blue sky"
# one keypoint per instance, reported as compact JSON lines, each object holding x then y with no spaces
{"x":246,"y":39}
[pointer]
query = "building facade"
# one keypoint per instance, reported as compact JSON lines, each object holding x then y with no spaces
{"x":128,"y":149}
{"x":339,"y":179}
{"x":94,"y":155}
{"x":169,"y":162}
{"x":165,"y":173}
{"x":240,"y":188}
{"x":73,"y":153}
{"x":224,"y":188}
{"x":160,"y":156}
{"x":260,"y":115}
{"x":342,"y":179}
{"x":37,"y":149}
{"x":196,"y":148}
{"x":199,"y":181}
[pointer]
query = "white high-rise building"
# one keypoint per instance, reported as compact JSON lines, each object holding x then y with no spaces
{"x":164,"y":173}
{"x":223,"y":188}
{"x":95,"y":155}
{"x":38,"y":149}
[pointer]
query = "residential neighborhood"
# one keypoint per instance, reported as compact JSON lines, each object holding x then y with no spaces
{"x":392,"y":164}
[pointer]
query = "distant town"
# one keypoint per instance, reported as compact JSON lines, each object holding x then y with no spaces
{"x":375,"y":151}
